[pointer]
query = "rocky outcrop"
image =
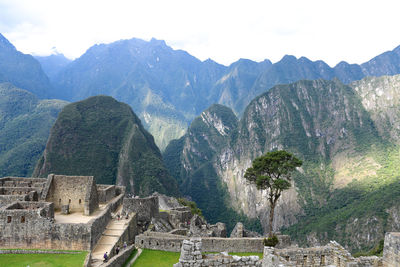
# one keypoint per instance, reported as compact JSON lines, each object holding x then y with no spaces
{"x":200,"y":228}
{"x":381,"y":98}
{"x":240,"y":231}
{"x":325,"y":123}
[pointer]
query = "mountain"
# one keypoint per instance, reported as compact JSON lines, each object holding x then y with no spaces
{"x":22,"y":70}
{"x":168,"y":88}
{"x":53,"y":64}
{"x":380,"y":97}
{"x":190,"y":159}
{"x":343,"y":189}
{"x":102,"y":137}
{"x":25,"y":123}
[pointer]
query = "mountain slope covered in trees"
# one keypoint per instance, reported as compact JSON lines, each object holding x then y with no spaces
{"x":25,"y":123}
{"x":102,"y":137}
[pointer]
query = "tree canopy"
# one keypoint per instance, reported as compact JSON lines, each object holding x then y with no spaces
{"x":272,"y":172}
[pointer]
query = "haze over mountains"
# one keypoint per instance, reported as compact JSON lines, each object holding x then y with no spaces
{"x":343,"y":125}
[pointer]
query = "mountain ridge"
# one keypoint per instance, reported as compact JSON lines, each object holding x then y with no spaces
{"x":168,"y":88}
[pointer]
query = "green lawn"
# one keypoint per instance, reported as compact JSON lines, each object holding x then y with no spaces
{"x":157,"y":258}
{"x":43,"y":260}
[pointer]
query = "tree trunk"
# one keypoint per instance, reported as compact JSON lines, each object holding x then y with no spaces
{"x":271,"y":218}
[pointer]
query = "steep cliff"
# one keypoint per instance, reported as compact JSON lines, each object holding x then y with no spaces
{"x":102,"y":137}
{"x":381,"y":98}
{"x":192,"y":160}
{"x":347,"y":159}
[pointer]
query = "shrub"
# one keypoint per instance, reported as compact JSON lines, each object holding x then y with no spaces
{"x":271,"y":241}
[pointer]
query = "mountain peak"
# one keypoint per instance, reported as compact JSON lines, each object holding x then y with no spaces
{"x":157,"y":42}
{"x":4,"y":43}
{"x":288,"y":58}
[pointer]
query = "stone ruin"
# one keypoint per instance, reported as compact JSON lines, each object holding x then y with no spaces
{"x":332,"y":255}
{"x":191,"y":255}
{"x":36,"y":212}
{"x":31,"y":210}
{"x":240,"y":231}
{"x":199,"y":227}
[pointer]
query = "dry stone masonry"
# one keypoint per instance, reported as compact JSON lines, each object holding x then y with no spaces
{"x":191,"y":255}
{"x":37,"y":212}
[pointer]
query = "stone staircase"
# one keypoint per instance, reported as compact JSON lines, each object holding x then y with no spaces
{"x":108,"y":239}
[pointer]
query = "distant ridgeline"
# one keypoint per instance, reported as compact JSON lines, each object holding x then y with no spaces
{"x":348,"y":187}
{"x":104,"y":138}
{"x":168,"y":88}
{"x":22,"y":70}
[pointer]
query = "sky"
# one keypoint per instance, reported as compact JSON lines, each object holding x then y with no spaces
{"x":223,"y":30}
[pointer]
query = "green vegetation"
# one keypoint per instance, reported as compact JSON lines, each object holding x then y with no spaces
{"x":371,"y":197}
{"x":25,"y":123}
{"x":272,"y":172}
{"x":271,"y":241}
{"x":192,"y":205}
{"x":375,"y":251}
{"x":151,"y":258}
{"x":43,"y":260}
{"x":102,"y":137}
{"x":199,"y":179}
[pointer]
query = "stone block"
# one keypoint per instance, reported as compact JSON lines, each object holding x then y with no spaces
{"x":65,"y":209}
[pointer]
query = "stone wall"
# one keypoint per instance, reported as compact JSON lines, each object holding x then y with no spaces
{"x":169,"y":242}
{"x":129,"y":232}
{"x":7,"y":199}
{"x":25,"y":227}
{"x":191,"y":255}
{"x":22,"y":182}
{"x":330,"y":255}
{"x":145,"y":208}
{"x":106,"y":193}
{"x":91,"y":197}
{"x":79,"y":192}
{"x":119,"y":260}
{"x":391,"y":250}
{"x":180,"y":216}
{"x":98,"y":224}
{"x":31,"y":225}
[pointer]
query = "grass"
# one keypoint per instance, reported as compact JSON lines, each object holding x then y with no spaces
{"x":157,"y":258}
{"x":43,"y":260}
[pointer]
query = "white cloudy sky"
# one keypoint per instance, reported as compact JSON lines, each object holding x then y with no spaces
{"x":224,"y":30}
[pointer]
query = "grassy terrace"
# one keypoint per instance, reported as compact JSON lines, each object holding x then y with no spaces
{"x":43,"y":260}
{"x":151,"y":258}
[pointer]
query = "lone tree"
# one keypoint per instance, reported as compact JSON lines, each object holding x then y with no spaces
{"x":272,"y":172}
